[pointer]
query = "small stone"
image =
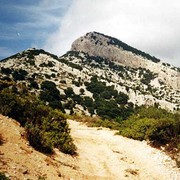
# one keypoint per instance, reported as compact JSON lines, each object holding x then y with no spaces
{"x":25,"y":172}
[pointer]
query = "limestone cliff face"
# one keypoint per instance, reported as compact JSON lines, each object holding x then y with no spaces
{"x":96,"y":44}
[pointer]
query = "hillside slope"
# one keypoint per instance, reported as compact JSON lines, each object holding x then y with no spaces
{"x":18,"y":160}
{"x":101,"y":155}
{"x":145,"y":79}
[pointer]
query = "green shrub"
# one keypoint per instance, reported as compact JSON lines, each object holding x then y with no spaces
{"x":48,"y":85}
{"x":77,"y":99}
{"x":3,"y":176}
{"x":147,"y":77}
{"x":19,"y":74}
{"x":106,"y":95}
{"x":51,"y":95}
{"x":107,"y":123}
{"x":150,"y":129}
{"x":5,"y":84}
{"x":81,"y":91}
{"x":6,"y":71}
{"x":49,"y":64}
{"x":46,"y":128}
{"x":33,"y":84}
{"x":69,"y":92}
{"x":77,"y":83}
{"x":8,"y":102}
{"x":87,"y":101}
{"x":122,"y":98}
{"x":156,"y":125}
{"x":153,"y":112}
{"x":37,"y":140}
{"x":108,"y":102}
{"x":50,"y":130}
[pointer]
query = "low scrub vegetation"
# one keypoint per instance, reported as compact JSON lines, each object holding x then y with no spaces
{"x":46,"y":127}
{"x":51,"y":95}
{"x":107,"y":123}
{"x":147,"y":123}
{"x":159,"y":127}
{"x":109,"y":103}
{"x":70,"y":64}
{"x":156,"y":125}
{"x":97,"y":122}
{"x":3,"y":176}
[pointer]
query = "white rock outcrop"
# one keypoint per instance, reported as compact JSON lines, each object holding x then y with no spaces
{"x":96,"y":44}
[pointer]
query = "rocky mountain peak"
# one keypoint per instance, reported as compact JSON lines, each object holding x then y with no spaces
{"x":97,"y":44}
{"x":97,"y":63}
{"x":100,"y":40}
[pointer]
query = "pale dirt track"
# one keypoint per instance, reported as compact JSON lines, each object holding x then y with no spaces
{"x":107,"y":156}
{"x":101,"y":155}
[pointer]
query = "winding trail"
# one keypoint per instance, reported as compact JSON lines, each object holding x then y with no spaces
{"x":103,"y":155}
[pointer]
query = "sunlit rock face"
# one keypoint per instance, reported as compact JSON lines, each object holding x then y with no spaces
{"x":96,"y":44}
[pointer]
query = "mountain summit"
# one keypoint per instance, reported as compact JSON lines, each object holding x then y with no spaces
{"x":109,"y":44}
{"x":98,"y":74}
{"x":97,"y":44}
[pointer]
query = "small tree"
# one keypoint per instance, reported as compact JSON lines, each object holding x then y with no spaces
{"x":3,"y":176}
{"x":19,"y":75}
{"x":69,"y":92}
{"x":33,"y":84}
{"x":82,"y":91}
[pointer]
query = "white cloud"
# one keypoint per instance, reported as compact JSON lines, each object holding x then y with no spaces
{"x":34,"y":21}
{"x":47,"y":13}
{"x":151,"y":26}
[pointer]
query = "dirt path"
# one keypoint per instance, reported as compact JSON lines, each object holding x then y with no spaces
{"x":103,"y":155}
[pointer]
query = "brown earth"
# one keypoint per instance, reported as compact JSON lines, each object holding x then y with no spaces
{"x":101,"y":155}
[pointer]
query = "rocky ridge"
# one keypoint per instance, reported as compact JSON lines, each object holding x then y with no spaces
{"x":97,"y":44}
{"x":145,"y":79}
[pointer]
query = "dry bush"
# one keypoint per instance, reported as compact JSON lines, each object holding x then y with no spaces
{"x":97,"y":122}
{"x":85,"y":119}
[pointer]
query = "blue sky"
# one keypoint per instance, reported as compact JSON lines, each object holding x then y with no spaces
{"x":26,"y":24}
{"x":151,"y":26}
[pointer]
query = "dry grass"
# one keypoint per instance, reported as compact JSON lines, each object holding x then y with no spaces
{"x":96,"y":122}
{"x":90,"y":121}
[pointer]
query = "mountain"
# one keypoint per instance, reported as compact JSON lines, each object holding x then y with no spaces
{"x":96,"y":44}
{"x":99,"y":75}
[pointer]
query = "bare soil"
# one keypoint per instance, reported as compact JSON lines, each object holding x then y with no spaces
{"x":101,"y":155}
